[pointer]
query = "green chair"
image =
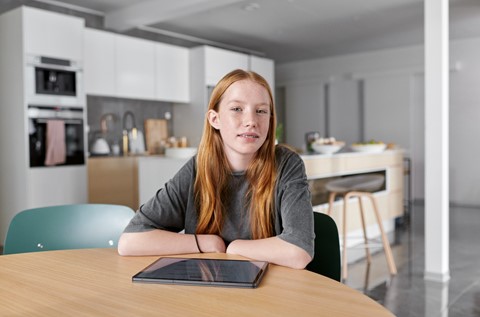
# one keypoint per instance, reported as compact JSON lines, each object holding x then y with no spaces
{"x":67,"y":227}
{"x":326,"y":260}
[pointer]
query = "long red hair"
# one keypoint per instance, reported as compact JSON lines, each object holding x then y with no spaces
{"x":214,"y":171}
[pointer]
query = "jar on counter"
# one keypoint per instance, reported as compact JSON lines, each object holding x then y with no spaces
{"x":183,"y":142}
{"x":311,"y":137}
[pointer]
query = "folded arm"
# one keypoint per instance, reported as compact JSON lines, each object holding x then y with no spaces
{"x":273,"y":250}
{"x":162,"y":242}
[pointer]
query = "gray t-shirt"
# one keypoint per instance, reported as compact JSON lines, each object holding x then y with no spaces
{"x":173,"y":207}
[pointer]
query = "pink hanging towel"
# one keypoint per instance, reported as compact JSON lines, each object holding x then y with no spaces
{"x":56,"y":148}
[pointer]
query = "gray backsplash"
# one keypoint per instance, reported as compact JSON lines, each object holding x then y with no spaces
{"x":142,"y":109}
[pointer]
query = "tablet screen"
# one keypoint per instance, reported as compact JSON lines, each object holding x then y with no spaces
{"x":213,"y":272}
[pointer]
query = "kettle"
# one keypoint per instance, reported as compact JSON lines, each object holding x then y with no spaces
{"x":100,"y":147}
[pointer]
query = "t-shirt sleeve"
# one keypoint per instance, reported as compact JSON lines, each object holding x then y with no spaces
{"x":293,"y":204}
{"x":166,"y":210}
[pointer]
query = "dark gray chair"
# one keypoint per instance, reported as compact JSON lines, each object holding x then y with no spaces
{"x":326,"y":260}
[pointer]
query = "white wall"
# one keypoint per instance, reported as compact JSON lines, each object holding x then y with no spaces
{"x":344,"y":110}
{"x":303,"y":112}
{"x":465,"y":123}
{"x":394,"y":105}
{"x":387,"y":109}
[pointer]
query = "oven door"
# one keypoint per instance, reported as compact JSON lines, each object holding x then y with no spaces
{"x":74,"y":135}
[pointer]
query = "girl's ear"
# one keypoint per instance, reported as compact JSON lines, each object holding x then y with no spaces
{"x":214,"y":119}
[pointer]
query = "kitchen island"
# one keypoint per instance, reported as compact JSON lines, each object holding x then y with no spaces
{"x":132,"y":180}
{"x":322,"y":168}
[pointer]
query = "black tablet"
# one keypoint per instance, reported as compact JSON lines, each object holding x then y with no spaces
{"x":210,"y":272}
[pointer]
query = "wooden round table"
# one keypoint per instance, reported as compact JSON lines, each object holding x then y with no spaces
{"x":98,"y":282}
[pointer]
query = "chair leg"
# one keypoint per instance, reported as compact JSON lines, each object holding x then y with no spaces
{"x":344,"y":230}
{"x":365,"y":238}
{"x":386,"y":243}
{"x":331,"y":199}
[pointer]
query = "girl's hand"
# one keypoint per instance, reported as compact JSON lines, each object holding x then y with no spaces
{"x":211,"y":243}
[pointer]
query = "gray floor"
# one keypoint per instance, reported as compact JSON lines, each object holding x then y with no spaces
{"x":407,"y":293}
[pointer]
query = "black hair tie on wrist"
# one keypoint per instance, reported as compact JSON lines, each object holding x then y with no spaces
{"x":198,"y":245}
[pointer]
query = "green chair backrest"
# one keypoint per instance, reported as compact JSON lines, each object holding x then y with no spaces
{"x":67,"y":227}
{"x":326,"y":260}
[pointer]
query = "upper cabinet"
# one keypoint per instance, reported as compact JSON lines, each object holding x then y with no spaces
{"x":52,"y":34}
{"x":123,"y":66}
{"x":218,"y":62}
{"x":264,"y":67}
{"x":99,"y":64}
{"x":172,"y":73}
{"x":135,"y":67}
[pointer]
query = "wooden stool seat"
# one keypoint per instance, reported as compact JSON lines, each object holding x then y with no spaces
{"x":360,"y":186}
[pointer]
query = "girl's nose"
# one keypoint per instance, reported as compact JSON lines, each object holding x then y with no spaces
{"x":250,"y":119}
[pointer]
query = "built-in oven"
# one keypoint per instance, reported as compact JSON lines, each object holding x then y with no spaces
{"x":70,"y":125}
{"x":54,"y":81}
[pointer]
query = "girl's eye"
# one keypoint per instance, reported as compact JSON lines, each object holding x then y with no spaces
{"x":262,"y":111}
{"x":236,"y":109}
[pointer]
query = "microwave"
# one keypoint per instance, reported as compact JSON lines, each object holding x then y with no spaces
{"x":54,"y":81}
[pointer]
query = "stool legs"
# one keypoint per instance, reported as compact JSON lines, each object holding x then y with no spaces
{"x":331,"y":199}
{"x":344,"y":251}
{"x":364,"y":227}
{"x":386,"y":245}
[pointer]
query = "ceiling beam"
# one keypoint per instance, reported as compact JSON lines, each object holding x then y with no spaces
{"x":154,"y":11}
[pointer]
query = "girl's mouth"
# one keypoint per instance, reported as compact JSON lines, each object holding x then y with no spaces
{"x":249,"y":135}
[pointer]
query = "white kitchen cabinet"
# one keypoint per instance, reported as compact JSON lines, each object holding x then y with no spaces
{"x":53,"y":34}
{"x":154,"y":172}
{"x":218,"y":62}
{"x":172,"y":71}
{"x":28,"y":31}
{"x":264,"y":67}
{"x":99,"y":62}
{"x":135,"y":71}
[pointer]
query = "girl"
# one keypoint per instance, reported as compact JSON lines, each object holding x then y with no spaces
{"x":240,"y":194}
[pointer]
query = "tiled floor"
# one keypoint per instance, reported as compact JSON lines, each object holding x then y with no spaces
{"x":407,"y":294}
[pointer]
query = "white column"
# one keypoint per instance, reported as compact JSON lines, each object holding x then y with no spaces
{"x":436,"y":141}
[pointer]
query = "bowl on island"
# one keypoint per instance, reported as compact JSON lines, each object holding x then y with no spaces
{"x":369,"y":147}
{"x":327,"y":147}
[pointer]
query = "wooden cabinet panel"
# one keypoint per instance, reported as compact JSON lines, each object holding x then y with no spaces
{"x":113,"y":180}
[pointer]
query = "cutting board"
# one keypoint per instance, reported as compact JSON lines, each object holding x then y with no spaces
{"x":155,"y":132}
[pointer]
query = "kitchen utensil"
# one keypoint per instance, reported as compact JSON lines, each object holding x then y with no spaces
{"x":156,"y":133}
{"x":136,"y":142}
{"x":100,"y":147}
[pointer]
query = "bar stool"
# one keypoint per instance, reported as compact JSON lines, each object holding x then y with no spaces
{"x":359,"y":186}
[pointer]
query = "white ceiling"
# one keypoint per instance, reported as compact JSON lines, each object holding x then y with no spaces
{"x":285,"y":30}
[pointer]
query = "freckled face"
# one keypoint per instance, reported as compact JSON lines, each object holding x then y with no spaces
{"x":243,"y":119}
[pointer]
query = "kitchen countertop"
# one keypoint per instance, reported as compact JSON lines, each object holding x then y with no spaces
{"x":308,"y":156}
